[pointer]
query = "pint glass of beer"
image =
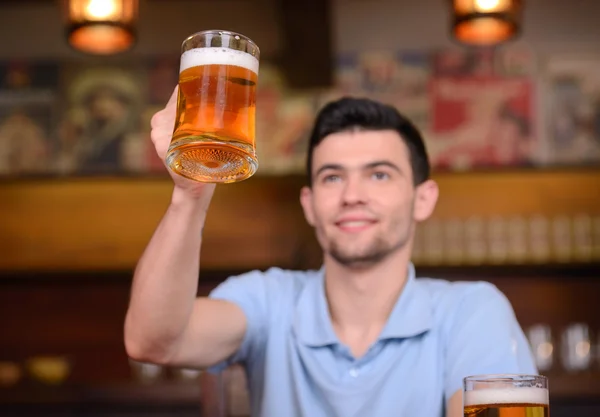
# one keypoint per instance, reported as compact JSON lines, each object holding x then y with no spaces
{"x":213,"y":137}
{"x":506,"y":396}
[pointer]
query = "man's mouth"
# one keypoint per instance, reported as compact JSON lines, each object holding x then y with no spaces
{"x":354,"y":225}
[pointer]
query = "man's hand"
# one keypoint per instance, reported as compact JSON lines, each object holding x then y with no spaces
{"x":162,"y":124}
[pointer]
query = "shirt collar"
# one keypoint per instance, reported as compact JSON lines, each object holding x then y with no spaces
{"x":312,"y":324}
{"x":411,"y":315}
{"x":413,"y":312}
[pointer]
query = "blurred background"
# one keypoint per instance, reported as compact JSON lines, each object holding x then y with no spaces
{"x":512,"y":127}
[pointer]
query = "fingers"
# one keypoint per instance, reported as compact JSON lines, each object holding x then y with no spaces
{"x":162,"y":119}
{"x":166,"y":116}
{"x":161,"y":134}
{"x":162,"y":124}
{"x":162,"y":147}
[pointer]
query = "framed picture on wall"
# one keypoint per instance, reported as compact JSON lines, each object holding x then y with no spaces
{"x":100,"y":125}
{"x":28,"y":114}
{"x":573,"y":109}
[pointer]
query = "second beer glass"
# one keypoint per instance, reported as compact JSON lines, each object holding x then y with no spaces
{"x":213,"y":138}
{"x":506,"y":396}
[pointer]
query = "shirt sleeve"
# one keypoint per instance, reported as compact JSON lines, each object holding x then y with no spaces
{"x":249,"y":292}
{"x":485,"y":338}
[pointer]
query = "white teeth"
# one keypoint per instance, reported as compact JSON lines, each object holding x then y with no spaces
{"x":355,"y":223}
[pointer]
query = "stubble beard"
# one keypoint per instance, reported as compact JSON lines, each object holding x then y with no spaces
{"x":376,"y":252}
{"x":379,"y":249}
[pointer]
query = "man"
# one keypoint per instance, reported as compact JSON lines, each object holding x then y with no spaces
{"x":361,"y":336}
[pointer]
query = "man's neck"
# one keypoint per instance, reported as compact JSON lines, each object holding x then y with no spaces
{"x":361,"y":299}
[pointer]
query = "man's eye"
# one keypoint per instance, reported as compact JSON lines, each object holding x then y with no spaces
{"x":380,"y":175}
{"x":331,"y":178}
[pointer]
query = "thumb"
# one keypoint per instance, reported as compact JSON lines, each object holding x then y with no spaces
{"x":173,"y":99}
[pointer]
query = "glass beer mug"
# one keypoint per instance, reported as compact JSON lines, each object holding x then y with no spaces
{"x":506,"y":395}
{"x":213,"y":137}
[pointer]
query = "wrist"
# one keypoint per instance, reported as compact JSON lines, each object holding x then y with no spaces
{"x":185,"y":200}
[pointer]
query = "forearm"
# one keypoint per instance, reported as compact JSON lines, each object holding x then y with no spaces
{"x":165,"y":282}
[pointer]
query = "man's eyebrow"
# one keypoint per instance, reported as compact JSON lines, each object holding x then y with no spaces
{"x":328,"y":167}
{"x":370,"y":165}
{"x":389,"y":164}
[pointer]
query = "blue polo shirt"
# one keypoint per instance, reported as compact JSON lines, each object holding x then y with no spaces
{"x":438,"y":333}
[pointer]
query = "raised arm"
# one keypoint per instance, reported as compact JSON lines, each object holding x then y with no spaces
{"x":166,"y":322}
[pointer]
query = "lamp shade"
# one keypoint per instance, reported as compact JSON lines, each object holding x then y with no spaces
{"x":486,"y":22}
{"x":101,"y":27}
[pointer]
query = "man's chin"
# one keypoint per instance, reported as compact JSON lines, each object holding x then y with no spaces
{"x":357,"y":260}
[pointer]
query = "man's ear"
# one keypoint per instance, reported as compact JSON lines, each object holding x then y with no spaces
{"x":426,"y":197}
{"x":306,"y":202}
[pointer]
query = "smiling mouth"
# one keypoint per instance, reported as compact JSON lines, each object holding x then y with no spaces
{"x":354,"y":225}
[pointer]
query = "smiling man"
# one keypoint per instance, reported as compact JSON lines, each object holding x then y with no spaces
{"x":362,"y":336}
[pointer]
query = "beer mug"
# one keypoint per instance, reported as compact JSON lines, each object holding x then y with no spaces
{"x":213,"y":137}
{"x":506,"y":394}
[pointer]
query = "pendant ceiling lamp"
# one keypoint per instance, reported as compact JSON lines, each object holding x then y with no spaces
{"x":486,"y":22}
{"x":101,"y":27}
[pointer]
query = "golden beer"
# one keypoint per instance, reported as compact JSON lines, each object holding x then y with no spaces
{"x":506,"y":396}
{"x":213,"y":138}
{"x":507,"y":410}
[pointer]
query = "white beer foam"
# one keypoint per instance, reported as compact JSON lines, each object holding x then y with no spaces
{"x":530,"y":395}
{"x":218,"y":56}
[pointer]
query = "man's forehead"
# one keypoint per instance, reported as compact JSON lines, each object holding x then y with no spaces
{"x":358,"y":148}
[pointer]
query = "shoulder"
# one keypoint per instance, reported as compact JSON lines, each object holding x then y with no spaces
{"x":477,"y":330}
{"x":273,"y":283}
{"x":444,"y":291}
{"x":454,"y":300}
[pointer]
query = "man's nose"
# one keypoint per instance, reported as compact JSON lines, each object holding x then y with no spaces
{"x":355,"y":191}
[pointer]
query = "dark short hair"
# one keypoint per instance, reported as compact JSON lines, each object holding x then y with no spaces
{"x":350,"y":113}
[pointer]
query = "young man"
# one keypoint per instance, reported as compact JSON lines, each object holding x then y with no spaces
{"x":359,"y":337}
